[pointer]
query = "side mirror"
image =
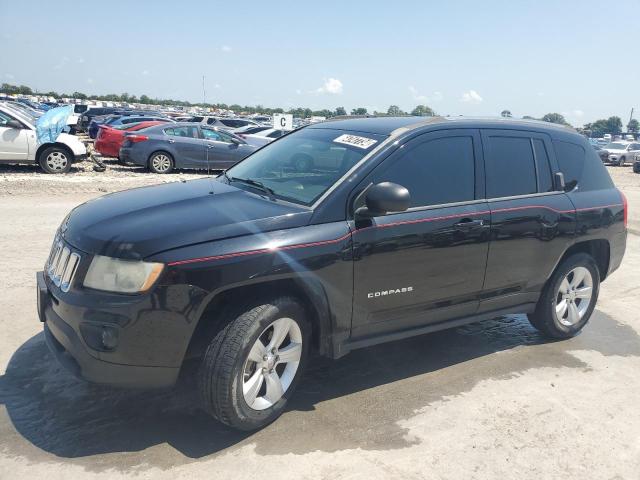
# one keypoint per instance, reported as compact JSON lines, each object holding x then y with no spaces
{"x":559,"y":181}
{"x":383,"y":198}
{"x":236,"y":141}
{"x":14,"y":124}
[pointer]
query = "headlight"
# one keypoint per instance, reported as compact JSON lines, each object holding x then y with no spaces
{"x":122,"y":276}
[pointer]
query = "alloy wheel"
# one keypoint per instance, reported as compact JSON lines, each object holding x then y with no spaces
{"x":574,"y":296}
{"x":272,"y":364}
{"x":161,"y":163}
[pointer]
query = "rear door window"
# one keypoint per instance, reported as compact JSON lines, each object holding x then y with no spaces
{"x":186,"y":131}
{"x":510,"y":166}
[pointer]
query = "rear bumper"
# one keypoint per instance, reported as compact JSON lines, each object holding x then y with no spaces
{"x":617,"y":245}
{"x":69,"y":349}
{"x":126,"y":155}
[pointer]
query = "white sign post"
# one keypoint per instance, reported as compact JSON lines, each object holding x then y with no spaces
{"x":283,"y":121}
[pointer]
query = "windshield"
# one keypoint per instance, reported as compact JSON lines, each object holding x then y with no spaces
{"x":303,"y":165}
{"x":616,"y":146}
{"x":21,"y":114}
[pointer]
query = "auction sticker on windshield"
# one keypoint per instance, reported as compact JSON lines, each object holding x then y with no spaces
{"x":355,"y":141}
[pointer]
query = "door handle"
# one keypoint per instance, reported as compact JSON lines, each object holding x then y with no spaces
{"x":469,"y":224}
{"x":210,"y":146}
{"x":171,"y":140}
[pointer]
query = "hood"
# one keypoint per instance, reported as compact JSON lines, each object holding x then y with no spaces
{"x":137,"y":223}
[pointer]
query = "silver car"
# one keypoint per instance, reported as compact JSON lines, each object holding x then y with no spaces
{"x":622,"y":152}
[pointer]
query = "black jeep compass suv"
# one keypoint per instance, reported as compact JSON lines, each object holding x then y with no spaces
{"x":337,"y":236}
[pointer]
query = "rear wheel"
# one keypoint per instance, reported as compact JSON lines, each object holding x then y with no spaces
{"x":55,"y":160}
{"x":569,"y":298}
{"x":252,"y":366}
{"x":161,"y":162}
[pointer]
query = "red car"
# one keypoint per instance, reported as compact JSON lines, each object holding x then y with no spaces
{"x":109,"y":139}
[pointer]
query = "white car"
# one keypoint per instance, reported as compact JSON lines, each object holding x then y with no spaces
{"x":622,"y":152}
{"x":228,"y":123}
{"x":262,"y":138}
{"x":19,"y":144}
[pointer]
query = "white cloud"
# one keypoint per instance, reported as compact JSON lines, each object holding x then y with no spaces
{"x":298,"y":92}
{"x":80,"y":60}
{"x":471,"y":97}
{"x":145,"y":72}
{"x":226,"y":48}
{"x":578,"y":113}
{"x":9,"y":76}
{"x":416,"y":96}
{"x":63,"y":61}
{"x":89,"y":80}
{"x":332,"y":85}
{"x":217,"y":85}
{"x":435,"y":97}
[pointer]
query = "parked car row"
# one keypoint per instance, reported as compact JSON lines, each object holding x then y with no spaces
{"x":618,"y":153}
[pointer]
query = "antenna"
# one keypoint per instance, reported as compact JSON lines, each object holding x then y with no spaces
{"x":204,"y":93}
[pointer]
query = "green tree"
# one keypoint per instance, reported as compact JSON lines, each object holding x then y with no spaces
{"x":423,"y":111}
{"x":554,"y":118}
{"x":506,"y":113}
{"x":529,"y":117}
{"x":359,"y":111}
{"x":24,"y":90}
{"x":394,"y":110}
{"x":341,"y":111}
{"x":79,"y":95}
{"x":633,"y":126}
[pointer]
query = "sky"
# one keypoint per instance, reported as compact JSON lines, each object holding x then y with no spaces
{"x":459,"y":57}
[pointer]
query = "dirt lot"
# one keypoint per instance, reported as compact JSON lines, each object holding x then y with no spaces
{"x":489,"y":400}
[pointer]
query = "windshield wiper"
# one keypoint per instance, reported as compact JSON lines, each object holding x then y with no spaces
{"x":253,"y":183}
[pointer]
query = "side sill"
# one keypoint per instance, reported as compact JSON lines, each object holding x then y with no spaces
{"x":349,"y":345}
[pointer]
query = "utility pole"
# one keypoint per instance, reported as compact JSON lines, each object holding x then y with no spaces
{"x":204,"y":94}
{"x":630,"y":117}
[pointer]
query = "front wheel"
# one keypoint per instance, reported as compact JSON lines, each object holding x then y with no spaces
{"x":252,"y":365}
{"x":569,"y":298}
{"x":55,"y":160}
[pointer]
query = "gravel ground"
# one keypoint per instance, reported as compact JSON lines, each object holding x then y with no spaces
{"x":488,"y":400}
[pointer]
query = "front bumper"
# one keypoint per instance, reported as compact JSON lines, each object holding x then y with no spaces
{"x":71,"y":351}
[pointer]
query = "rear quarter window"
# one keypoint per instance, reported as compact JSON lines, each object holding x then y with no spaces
{"x":581,"y":168}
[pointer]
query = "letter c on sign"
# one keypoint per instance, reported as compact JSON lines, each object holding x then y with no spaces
{"x":283,"y":122}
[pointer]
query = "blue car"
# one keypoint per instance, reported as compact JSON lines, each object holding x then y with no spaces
{"x":183,"y":145}
{"x":116,"y":120}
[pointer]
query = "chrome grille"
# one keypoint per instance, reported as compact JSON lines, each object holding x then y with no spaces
{"x":62,"y":265}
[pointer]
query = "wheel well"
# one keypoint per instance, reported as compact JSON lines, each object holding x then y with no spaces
{"x":62,"y":146}
{"x":598,"y":249}
{"x":229,"y":304}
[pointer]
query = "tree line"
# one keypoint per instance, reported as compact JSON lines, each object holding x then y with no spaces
{"x":612,"y":125}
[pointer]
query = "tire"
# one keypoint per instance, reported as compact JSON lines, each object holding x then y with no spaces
{"x":621,"y":161}
{"x":161,"y":162}
{"x":636,"y":167}
{"x":234,"y":362}
{"x":55,"y":160}
{"x":570,"y":320}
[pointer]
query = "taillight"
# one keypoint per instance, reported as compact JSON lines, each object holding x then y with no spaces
{"x":625,"y":206}
{"x":137,"y":138}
